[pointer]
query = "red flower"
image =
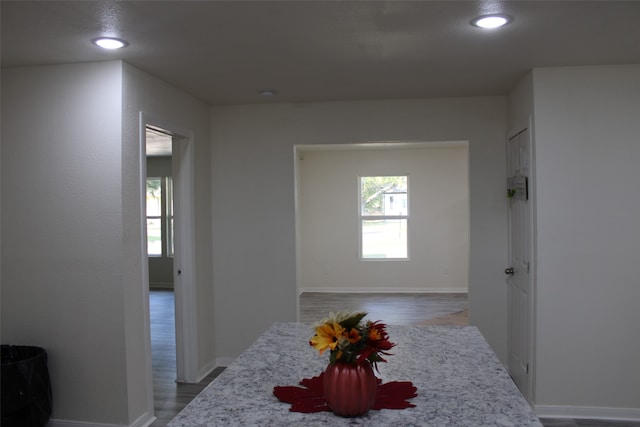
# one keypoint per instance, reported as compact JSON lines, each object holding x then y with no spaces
{"x":377,"y":343}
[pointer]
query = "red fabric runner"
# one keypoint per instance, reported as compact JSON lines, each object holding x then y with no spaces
{"x":310,"y":397}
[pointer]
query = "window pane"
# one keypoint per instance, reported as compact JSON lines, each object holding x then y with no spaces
{"x":169,"y":196}
{"x":154,"y":237}
{"x":386,"y":238}
{"x":383,"y":195}
{"x":154,"y":197}
{"x":395,"y":204}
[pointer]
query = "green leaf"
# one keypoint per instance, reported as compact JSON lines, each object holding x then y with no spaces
{"x":352,"y":321}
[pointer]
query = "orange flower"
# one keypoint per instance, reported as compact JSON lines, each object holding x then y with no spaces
{"x":374,"y":334}
{"x":353,"y":336}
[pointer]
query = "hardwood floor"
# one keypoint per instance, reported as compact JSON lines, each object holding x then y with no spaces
{"x":398,"y":309}
{"x":393,"y":309}
{"x":169,"y":396}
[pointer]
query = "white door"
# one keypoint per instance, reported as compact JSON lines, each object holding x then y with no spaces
{"x":519,"y":270}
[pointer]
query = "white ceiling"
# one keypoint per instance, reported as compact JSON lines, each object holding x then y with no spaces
{"x":225,"y":52}
{"x":158,"y":143}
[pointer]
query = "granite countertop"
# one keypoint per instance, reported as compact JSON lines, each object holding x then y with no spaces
{"x":459,"y":379}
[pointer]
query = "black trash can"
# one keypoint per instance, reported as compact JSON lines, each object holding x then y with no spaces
{"x":26,"y":387}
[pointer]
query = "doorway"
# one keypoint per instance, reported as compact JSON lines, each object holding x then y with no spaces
{"x":176,"y":220}
{"x":160,"y":260}
{"x":328,"y":218}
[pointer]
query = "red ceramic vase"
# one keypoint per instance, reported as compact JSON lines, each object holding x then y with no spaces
{"x":350,"y":388}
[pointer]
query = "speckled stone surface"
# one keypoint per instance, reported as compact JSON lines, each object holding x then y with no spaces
{"x":459,"y":379}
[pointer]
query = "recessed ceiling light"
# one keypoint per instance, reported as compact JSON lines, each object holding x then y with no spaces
{"x":110,"y":43}
{"x":267,"y":92}
{"x":491,"y":21}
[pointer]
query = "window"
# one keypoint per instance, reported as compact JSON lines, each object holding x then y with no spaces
{"x":160,"y":217}
{"x":384,"y":216}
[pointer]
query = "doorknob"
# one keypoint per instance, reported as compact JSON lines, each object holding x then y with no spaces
{"x":509,"y":271}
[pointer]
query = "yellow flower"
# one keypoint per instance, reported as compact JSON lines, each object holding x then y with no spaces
{"x":326,"y":336}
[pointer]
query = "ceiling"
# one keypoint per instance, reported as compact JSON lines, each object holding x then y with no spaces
{"x":226,"y":52}
{"x":158,"y":143}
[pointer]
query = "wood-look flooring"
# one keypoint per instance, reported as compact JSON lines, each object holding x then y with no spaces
{"x":393,"y":309}
{"x":397,"y":309}
{"x":170,"y":397}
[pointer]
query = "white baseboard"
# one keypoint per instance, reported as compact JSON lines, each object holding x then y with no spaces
{"x":67,"y":423}
{"x":588,"y":412}
{"x":161,"y":285}
{"x":224,"y":361}
{"x":386,"y":290}
{"x":207,"y":369}
{"x":143,"y":421}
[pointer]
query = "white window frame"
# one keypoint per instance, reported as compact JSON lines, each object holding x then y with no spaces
{"x":169,"y":228}
{"x":362,"y":218}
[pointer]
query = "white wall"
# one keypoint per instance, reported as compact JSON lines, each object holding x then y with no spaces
{"x":62,"y":264}
{"x":438,"y":242}
{"x":520,"y":104}
{"x":170,"y":106}
{"x":71,"y":246}
{"x":254,"y":242}
{"x":587,"y":127}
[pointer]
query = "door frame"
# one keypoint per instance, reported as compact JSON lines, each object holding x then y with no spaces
{"x":529,"y":393}
{"x":184,"y":251}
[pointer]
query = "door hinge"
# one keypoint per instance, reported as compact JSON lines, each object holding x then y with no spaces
{"x":527,"y":369}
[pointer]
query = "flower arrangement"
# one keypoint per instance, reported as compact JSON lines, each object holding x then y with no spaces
{"x":350,"y":339}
